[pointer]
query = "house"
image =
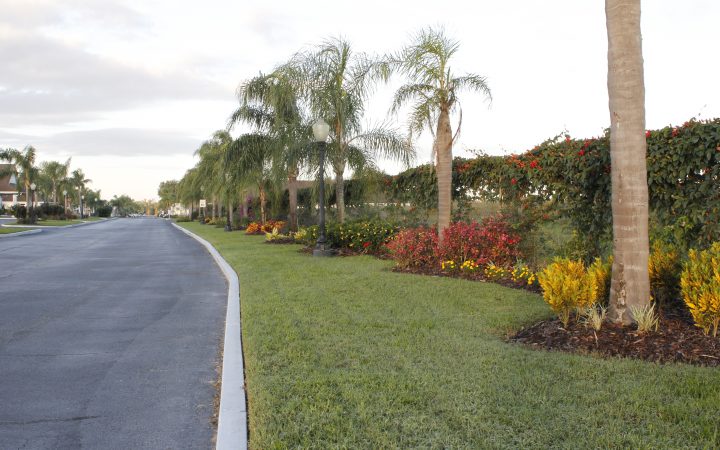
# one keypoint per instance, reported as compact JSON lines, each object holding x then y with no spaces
{"x":8,"y":189}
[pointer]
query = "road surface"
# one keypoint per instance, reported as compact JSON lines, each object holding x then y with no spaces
{"x":109,"y":338}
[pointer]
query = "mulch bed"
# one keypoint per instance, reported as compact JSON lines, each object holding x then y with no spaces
{"x":677,"y":340}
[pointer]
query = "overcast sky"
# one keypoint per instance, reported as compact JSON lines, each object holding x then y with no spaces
{"x":129,"y":89}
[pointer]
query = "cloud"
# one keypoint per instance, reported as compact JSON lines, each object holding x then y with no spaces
{"x":106,"y":142}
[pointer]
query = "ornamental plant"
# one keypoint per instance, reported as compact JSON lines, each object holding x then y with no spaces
{"x":492,"y":240}
{"x":664,"y":267}
{"x":700,"y":287}
{"x":567,"y":286}
{"x":600,"y":272}
{"x":494,"y":273}
{"x":263,"y":228}
{"x":414,"y":248}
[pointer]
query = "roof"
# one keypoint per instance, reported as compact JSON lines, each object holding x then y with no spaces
{"x":7,"y":184}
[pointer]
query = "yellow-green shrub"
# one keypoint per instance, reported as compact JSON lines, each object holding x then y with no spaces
{"x":664,"y":267}
{"x":567,"y":286}
{"x":700,"y":286}
{"x":599,"y":271}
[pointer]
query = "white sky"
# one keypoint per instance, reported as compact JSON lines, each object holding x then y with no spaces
{"x":129,"y":89}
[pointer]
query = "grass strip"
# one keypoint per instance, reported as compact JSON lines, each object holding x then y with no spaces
{"x":344,"y":353}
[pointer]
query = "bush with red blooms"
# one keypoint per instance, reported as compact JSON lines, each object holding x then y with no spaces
{"x":491,"y":241}
{"x":414,"y":247}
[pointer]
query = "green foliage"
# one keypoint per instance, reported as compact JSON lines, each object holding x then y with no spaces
{"x":366,"y":236}
{"x":573,"y":175}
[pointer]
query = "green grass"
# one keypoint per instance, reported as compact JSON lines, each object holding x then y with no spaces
{"x":57,"y":223}
{"x":343,"y":353}
{"x":4,"y":230}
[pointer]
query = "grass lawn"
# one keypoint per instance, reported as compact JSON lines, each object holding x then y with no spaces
{"x":343,"y":353}
{"x":57,"y":223}
{"x":4,"y":230}
{"x":93,"y":219}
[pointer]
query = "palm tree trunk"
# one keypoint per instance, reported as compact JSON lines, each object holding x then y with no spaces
{"x":626,"y":90}
{"x":340,"y":195}
{"x":443,"y":147}
{"x":292,"y":191}
{"x":262,"y":205}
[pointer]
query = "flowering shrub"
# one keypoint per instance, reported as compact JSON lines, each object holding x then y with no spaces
{"x":448,"y":266}
{"x":489,"y":241}
{"x":468,"y":266}
{"x":567,"y":286}
{"x":522,"y":275}
{"x":495,"y":273}
{"x":360,"y":236}
{"x":414,"y":247}
{"x":263,"y":228}
{"x":700,"y":284}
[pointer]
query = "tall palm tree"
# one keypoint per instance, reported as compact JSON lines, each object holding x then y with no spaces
{"x":335,"y":82}
{"x":626,"y":90}
{"x":210,"y":167}
{"x":22,"y":165}
{"x":189,"y":189}
{"x":432,"y":92}
{"x":270,"y":104}
{"x":250,"y":159}
{"x":79,"y":181}
{"x":54,"y":172}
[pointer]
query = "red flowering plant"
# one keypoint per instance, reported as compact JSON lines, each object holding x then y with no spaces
{"x":414,"y":248}
{"x":491,"y":240}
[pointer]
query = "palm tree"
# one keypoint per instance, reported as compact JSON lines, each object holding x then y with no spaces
{"x":626,"y":90}
{"x":79,"y":181}
{"x":54,"y":172}
{"x":22,"y":165}
{"x":210,"y":167}
{"x":250,"y":159}
{"x":189,"y":189}
{"x":335,"y":82}
{"x":270,"y":104}
{"x":432,"y":92}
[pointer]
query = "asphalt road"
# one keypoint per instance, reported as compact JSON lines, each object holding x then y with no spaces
{"x":109,"y":338}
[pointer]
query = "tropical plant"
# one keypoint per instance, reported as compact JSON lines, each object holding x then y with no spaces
{"x":567,"y":287}
{"x":626,"y":90}
{"x":270,"y":104}
{"x":700,"y":285}
{"x":335,"y":82}
{"x":22,"y":165}
{"x":432,"y":92}
{"x":78,"y":180}
{"x":54,"y":172}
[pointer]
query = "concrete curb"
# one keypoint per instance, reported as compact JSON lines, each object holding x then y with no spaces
{"x":232,"y":421}
{"x":20,"y":233}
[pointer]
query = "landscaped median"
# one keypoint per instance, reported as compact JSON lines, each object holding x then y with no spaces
{"x":342,"y":352}
{"x":6,"y":230}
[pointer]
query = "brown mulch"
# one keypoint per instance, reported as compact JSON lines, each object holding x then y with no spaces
{"x":677,"y":340}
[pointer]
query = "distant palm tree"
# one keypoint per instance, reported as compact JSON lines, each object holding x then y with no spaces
{"x":79,"y":181}
{"x":432,"y":92}
{"x":22,"y":165}
{"x":626,"y":91}
{"x":54,"y":172}
{"x":336,"y":82}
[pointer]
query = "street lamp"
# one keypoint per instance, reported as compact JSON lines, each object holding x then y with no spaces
{"x":82,"y":197}
{"x":65,"y":204}
{"x":320,"y":133}
{"x":32,"y":203}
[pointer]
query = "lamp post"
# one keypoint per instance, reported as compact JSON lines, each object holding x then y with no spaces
{"x":320,"y":133}
{"x":32,"y":203}
{"x":65,"y":204}
{"x":82,"y":197}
